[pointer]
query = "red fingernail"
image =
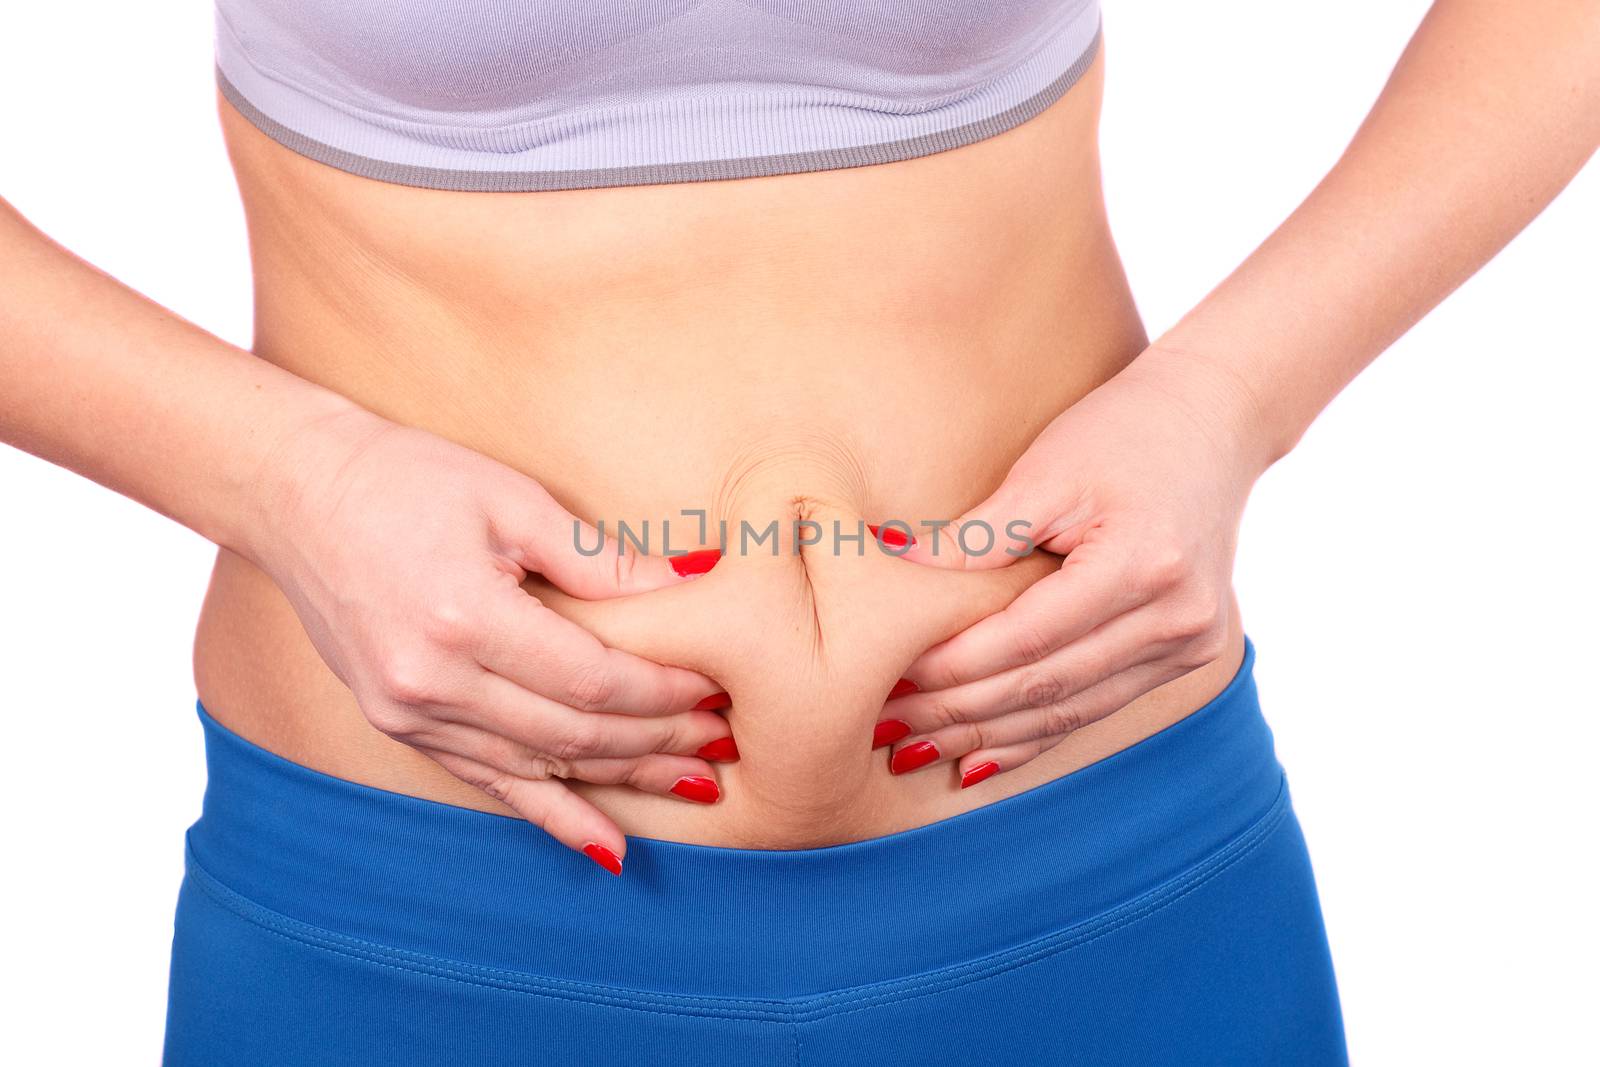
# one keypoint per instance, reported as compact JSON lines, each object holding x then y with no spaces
{"x":913,"y":756}
{"x":902,"y":687}
{"x":722,"y":750}
{"x":603,"y":856}
{"x":888,"y":731}
{"x":698,"y":788}
{"x":892,"y":536}
{"x":714,"y":702}
{"x":691,"y":564}
{"x":974,"y":775}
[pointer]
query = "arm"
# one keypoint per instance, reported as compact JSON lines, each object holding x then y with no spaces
{"x":1489,"y":113}
{"x":98,"y":379}
{"x":332,"y":501}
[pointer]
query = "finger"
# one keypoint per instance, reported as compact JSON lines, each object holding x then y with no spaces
{"x":1076,"y":711}
{"x":549,"y":805}
{"x":973,"y":744}
{"x":504,"y":708}
{"x":1029,"y":509}
{"x":543,"y":537}
{"x":686,"y":777}
{"x":985,"y":764}
{"x":997,"y":532}
{"x":529,"y":644}
{"x":682,"y":777}
{"x":1095,"y":585}
{"x":1124,"y":642}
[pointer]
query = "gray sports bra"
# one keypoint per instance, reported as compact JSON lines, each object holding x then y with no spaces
{"x":567,"y":94}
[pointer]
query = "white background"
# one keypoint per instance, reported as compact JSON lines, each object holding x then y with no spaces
{"x":1420,"y":575}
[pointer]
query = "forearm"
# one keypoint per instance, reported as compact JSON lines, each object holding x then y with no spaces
{"x":96,"y":378}
{"x":1491,"y":110}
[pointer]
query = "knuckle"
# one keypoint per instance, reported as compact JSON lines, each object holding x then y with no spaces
{"x":389,"y":719}
{"x":1062,"y":718}
{"x":1029,"y":643}
{"x":591,"y":688}
{"x":1038,"y":690}
{"x":418,"y":732}
{"x":635,"y":773}
{"x":449,"y":624}
{"x":407,"y":678}
{"x":577,"y":741}
{"x":1191,"y":621}
{"x":541,"y":768}
{"x":941,"y":672}
{"x":679,"y":735}
{"x":499,"y":786}
{"x":1204,"y":647}
{"x":968,"y":737}
{"x":941,"y":713}
{"x":624,"y":566}
{"x":1166,"y":565}
{"x":517,"y":760}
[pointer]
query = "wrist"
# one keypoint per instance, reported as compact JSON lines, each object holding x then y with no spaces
{"x":1223,"y":396}
{"x":295,"y":470}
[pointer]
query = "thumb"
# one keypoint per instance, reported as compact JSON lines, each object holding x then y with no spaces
{"x":589,"y":562}
{"x":1021,"y":515}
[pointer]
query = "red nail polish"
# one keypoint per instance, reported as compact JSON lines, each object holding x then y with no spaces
{"x":974,"y":775}
{"x":691,"y":564}
{"x":892,"y":536}
{"x":903,"y":687}
{"x":698,"y":788}
{"x":603,"y":856}
{"x":913,"y":756}
{"x":714,"y":702}
{"x":888,"y":731}
{"x":722,"y":750}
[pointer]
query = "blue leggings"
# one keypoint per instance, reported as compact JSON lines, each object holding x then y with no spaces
{"x":1156,"y":907}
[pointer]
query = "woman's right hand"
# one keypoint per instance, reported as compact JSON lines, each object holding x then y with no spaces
{"x":403,"y":555}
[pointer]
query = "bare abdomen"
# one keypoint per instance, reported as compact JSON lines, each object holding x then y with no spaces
{"x":861,"y":344}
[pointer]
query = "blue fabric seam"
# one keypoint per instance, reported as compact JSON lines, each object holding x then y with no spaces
{"x":294,"y":931}
{"x":1179,"y":887}
{"x":795,"y":1009}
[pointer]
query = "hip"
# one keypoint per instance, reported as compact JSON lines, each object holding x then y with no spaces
{"x":1156,"y":906}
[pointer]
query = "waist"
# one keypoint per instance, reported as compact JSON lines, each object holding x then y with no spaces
{"x":695,"y":429}
{"x":807,"y":641}
{"x":360,"y":869}
{"x":850,"y":346}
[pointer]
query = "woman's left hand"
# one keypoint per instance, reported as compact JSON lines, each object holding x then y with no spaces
{"x":1140,"y":486}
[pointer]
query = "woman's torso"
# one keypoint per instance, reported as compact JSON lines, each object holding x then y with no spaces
{"x":855,"y":344}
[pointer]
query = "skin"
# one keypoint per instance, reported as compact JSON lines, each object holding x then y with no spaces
{"x":786,"y":346}
{"x":1486,"y":117}
{"x":943,"y":337}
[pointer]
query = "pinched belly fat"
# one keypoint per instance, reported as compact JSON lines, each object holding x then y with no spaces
{"x":807,"y":621}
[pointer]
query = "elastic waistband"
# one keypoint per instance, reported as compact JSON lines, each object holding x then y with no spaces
{"x":442,"y":883}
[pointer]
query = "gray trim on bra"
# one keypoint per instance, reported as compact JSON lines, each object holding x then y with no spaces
{"x":705,"y":170}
